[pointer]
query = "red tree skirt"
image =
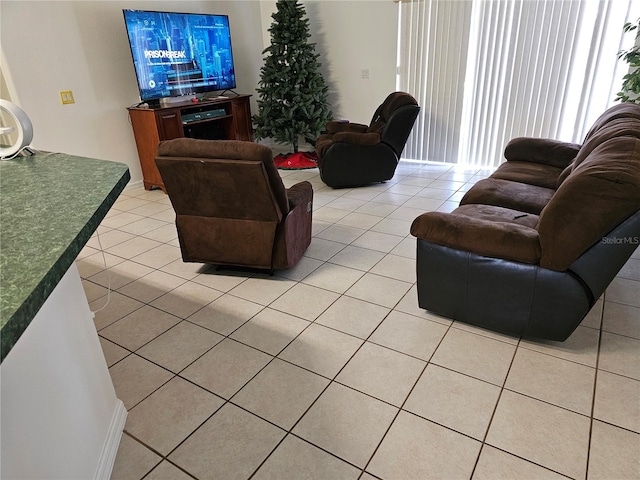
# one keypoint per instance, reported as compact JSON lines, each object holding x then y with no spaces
{"x":296,"y":161}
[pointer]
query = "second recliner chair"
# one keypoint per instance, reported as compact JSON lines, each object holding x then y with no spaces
{"x":231,"y":205}
{"x":353,"y":154}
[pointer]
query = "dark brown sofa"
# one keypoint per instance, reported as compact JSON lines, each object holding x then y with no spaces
{"x":354,"y":154}
{"x":531,"y":248}
{"x":231,"y":205}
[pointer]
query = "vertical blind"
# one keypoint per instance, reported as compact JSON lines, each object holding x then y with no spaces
{"x":486,"y":71}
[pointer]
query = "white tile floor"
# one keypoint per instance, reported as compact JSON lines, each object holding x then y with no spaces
{"x":331,"y":371}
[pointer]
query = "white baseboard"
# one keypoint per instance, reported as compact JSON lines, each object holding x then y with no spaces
{"x":112,"y":442}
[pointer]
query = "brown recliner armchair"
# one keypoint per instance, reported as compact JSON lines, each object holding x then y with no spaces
{"x":231,"y":205}
{"x":353,"y":154}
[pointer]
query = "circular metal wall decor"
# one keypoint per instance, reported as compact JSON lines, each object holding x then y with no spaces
{"x":16,"y":131}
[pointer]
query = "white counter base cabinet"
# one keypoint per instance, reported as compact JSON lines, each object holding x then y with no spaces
{"x":60,"y":417}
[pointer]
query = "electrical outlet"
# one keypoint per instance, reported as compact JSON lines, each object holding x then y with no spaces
{"x":66,"y":97}
{"x":364,"y":73}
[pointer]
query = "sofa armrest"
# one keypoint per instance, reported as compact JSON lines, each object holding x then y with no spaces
{"x":357,"y":138}
{"x":504,"y":240}
{"x":336,"y":127}
{"x":541,"y":150}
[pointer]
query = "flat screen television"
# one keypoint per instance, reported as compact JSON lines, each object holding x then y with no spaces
{"x":178,"y":54}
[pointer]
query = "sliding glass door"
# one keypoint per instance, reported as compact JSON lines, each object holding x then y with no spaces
{"x":486,"y":71}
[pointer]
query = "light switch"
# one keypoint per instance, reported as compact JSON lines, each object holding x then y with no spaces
{"x":66,"y":97}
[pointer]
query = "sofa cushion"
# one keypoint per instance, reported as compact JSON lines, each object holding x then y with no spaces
{"x":618,"y":127}
{"x":508,"y":194}
{"x":600,"y":192}
{"x":541,"y":150}
{"x":529,"y":173}
{"x":497,"y":239}
{"x":622,"y":127}
{"x":617,"y":112}
{"x":498,"y":214}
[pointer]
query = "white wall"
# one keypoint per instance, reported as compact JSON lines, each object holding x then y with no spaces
{"x":351,"y":36}
{"x":48,"y":46}
{"x":60,"y":415}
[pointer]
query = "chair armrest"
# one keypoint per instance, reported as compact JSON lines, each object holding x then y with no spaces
{"x":541,"y":150}
{"x":357,"y":138}
{"x":509,"y":241}
{"x":336,"y":127}
{"x":299,"y":193}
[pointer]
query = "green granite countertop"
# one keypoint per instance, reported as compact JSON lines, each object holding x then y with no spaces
{"x":50,"y":205}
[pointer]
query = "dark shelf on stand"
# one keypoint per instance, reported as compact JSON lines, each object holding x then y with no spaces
{"x":187,"y":119}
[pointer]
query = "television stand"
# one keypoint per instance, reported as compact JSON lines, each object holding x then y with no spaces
{"x":215,"y":119}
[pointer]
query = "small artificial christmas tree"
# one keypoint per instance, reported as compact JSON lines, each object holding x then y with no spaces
{"x":292,"y":93}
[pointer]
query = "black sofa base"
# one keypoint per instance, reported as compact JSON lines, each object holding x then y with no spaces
{"x":504,"y":296}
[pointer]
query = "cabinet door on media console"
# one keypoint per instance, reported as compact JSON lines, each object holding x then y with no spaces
{"x":169,"y":124}
{"x":241,"y":111}
{"x":152,"y":125}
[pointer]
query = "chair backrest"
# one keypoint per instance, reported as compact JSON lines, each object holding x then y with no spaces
{"x":394,"y":119}
{"x":228,"y":199}
{"x":190,"y":148}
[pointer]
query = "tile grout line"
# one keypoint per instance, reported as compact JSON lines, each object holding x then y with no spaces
{"x":595,"y":387}
{"x":451,"y":325}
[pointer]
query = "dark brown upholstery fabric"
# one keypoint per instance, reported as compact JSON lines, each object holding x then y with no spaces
{"x":358,"y":133}
{"x":617,"y":112}
{"x":323,"y":142}
{"x":393,"y":101}
{"x":217,"y":240}
{"x":231,"y":205}
{"x":565,"y":173}
{"x":353,"y":154}
{"x":219,"y":188}
{"x":228,"y":150}
{"x":217,"y":216}
{"x":620,"y":126}
{"x":506,"y":240}
{"x":530,"y":173}
{"x":336,"y":127}
{"x":357,"y":138}
{"x":526,"y":256}
{"x":294,"y":234}
{"x":508,"y":194}
{"x":601,"y":191}
{"x":541,"y":150}
{"x":598,"y":189}
{"x":498,"y":214}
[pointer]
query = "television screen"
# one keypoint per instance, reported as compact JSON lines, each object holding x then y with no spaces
{"x":180,"y":53}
